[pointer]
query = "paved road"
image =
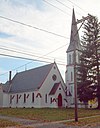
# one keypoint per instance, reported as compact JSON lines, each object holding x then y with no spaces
{"x":40,"y":124}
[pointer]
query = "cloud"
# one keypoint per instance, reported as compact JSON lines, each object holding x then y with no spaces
{"x":39,"y":14}
{"x":31,"y":39}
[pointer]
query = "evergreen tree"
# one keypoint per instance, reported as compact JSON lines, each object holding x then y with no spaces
{"x":89,"y":69}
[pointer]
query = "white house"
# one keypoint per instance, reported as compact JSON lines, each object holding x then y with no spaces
{"x":38,"y":88}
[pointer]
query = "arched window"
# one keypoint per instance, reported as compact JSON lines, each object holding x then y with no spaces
{"x":17,"y":98}
{"x":71,"y":76}
{"x":32,"y":97}
{"x":69,"y":58}
{"x":24,"y":98}
{"x":46,"y":98}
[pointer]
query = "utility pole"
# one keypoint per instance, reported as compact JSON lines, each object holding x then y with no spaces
{"x":75,"y":64}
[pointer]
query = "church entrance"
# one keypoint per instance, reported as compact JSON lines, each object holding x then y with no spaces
{"x":59,"y":100}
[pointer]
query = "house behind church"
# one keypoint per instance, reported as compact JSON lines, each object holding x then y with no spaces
{"x":38,"y":88}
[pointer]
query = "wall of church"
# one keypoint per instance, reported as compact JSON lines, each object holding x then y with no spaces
{"x":78,"y":53}
{"x":25,"y":100}
{"x":5,"y":100}
{"x":47,"y":86}
{"x":70,"y":58}
{"x":1,"y":97}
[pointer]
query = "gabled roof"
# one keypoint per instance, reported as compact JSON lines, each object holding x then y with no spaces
{"x":30,"y":80}
{"x":74,"y":37}
{"x":54,"y":88}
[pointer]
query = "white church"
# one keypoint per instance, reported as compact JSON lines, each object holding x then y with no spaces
{"x":44,"y":86}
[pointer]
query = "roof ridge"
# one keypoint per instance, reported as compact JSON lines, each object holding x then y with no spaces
{"x":34,"y":68}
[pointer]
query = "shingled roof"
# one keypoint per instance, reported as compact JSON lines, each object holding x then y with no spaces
{"x":30,"y":80}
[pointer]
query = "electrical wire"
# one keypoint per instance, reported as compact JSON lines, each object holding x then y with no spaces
{"x":29,"y":53}
{"x":67,"y":6}
{"x":24,"y":53}
{"x":37,"y":29}
{"x":29,"y":58}
{"x":6,"y":49}
{"x":28,"y":25}
{"x":56,"y":7}
{"x":77,"y":6}
{"x":63,"y":4}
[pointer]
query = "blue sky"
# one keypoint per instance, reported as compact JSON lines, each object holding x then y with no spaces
{"x":4,"y":35}
{"x":27,"y":42}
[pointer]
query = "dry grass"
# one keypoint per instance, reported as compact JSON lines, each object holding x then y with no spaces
{"x":86,"y":122}
{"x":47,"y":114}
{"x":6,"y":123}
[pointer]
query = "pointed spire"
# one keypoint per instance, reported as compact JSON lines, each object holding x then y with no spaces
{"x":74,"y":37}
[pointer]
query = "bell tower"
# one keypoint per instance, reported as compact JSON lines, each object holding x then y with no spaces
{"x":73,"y":54}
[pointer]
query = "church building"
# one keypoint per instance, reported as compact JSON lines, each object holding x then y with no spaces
{"x":44,"y":86}
{"x":35,"y":88}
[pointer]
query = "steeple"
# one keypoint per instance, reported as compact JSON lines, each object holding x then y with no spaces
{"x":74,"y":37}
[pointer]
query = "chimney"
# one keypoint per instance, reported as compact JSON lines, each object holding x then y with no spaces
{"x":10,"y":77}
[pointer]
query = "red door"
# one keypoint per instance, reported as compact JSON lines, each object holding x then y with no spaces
{"x":59,"y":100}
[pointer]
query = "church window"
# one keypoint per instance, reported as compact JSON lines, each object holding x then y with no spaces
{"x":38,"y":95}
{"x":24,"y":98}
{"x":45,"y":98}
{"x":10,"y":99}
{"x":73,"y":58}
{"x":32,"y":97}
{"x":69,"y":59}
{"x":17,"y":98}
{"x":71,"y":76}
{"x":54,"y":77}
{"x":51,"y":100}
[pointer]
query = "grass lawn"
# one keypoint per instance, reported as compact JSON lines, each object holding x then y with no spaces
{"x":47,"y":114}
{"x":88,"y":121}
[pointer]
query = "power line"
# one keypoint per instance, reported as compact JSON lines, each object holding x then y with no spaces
{"x":56,"y":7}
{"x":55,"y":49}
{"x":21,"y":52}
{"x":28,"y":25}
{"x":42,"y":57}
{"x":66,"y":6}
{"x":63,"y":4}
{"x":29,"y":58}
{"x":30,"y":53}
{"x":76,"y":5}
{"x":25,"y":58}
